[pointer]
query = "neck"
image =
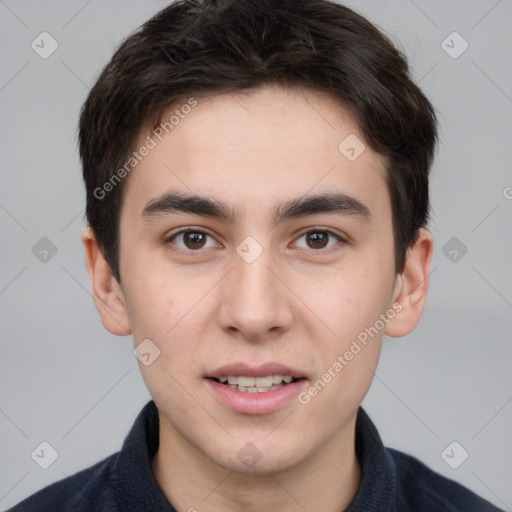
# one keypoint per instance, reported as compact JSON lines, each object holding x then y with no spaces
{"x":327,"y":480}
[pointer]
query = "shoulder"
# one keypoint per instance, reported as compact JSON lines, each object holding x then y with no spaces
{"x":89,"y":489}
{"x":422,"y":489}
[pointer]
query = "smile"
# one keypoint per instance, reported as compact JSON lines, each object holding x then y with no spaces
{"x":255,"y":389}
{"x":247,"y":384}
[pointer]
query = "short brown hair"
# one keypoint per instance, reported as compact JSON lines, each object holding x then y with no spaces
{"x":206,"y":47}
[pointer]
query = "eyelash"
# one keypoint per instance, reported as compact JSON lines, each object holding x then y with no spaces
{"x":192,"y":252}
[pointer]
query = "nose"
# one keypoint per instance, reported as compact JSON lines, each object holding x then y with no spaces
{"x":255,"y":304}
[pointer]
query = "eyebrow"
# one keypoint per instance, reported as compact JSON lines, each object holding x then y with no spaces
{"x":331,"y":203}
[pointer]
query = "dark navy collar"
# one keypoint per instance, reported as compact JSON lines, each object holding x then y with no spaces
{"x":378,"y":487}
{"x":136,"y":489}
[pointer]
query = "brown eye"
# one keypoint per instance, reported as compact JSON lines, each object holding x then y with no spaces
{"x":194,"y":240}
{"x":317,"y":239}
{"x":188,"y":240}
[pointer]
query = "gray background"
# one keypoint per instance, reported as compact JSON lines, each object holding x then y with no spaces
{"x":67,"y":381}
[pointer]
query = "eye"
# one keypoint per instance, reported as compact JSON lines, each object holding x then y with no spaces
{"x":319,"y":239}
{"x":190,"y":240}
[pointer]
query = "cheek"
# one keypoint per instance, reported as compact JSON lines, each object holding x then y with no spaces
{"x":157,"y":311}
{"x":351,"y":303}
{"x":156,"y":297}
{"x":171,"y":312}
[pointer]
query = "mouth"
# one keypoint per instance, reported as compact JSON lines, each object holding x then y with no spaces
{"x":248,"y":384}
{"x":252,"y":390}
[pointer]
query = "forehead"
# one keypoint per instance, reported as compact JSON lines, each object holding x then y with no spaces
{"x":255,"y":148}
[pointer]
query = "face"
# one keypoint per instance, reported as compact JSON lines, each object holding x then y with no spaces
{"x":242,"y":283}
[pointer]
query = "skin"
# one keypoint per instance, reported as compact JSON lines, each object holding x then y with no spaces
{"x":296,"y":304}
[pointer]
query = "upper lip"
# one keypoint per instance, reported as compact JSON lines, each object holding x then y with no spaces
{"x":260,"y":370}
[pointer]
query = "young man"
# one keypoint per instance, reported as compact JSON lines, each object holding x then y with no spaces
{"x":257,"y":195}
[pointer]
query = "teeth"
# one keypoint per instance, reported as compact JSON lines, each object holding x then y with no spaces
{"x":263,"y":381}
{"x":245,"y":381}
{"x":277,"y":379}
{"x":254,"y":389}
{"x":255,"y":384}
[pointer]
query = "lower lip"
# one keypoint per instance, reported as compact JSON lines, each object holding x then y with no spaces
{"x":255,"y":403}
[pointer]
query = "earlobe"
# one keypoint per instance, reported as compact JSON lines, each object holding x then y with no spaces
{"x":411,"y":286}
{"x":107,"y":293}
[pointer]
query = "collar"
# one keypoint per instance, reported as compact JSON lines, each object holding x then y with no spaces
{"x":378,"y":487}
{"x":136,"y":489}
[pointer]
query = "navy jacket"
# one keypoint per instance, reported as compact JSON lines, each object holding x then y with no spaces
{"x":123,"y":482}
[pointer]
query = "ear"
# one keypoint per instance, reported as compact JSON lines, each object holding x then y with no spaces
{"x":107,"y":293}
{"x":411,"y":286}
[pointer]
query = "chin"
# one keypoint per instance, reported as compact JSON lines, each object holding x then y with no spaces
{"x":260,"y":468}
{"x":254,"y":459}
